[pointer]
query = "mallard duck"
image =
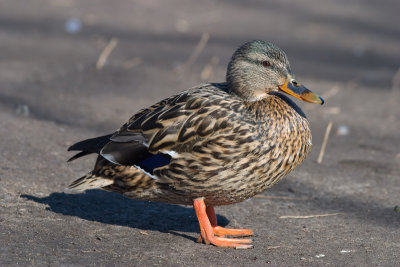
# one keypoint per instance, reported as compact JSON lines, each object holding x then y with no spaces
{"x":214,"y":144}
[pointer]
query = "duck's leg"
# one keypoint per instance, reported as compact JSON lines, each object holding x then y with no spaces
{"x":207,"y":230}
{"x":221,"y":231}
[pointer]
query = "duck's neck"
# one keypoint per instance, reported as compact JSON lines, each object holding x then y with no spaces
{"x":243,"y":83}
{"x":274,"y":106}
{"x":252,"y":95}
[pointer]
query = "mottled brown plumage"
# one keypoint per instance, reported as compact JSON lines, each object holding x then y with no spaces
{"x":218,"y":143}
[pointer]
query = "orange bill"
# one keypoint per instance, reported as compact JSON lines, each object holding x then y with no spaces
{"x":299,"y":91}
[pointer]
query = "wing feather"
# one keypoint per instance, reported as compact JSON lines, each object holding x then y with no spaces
{"x":173,"y":125}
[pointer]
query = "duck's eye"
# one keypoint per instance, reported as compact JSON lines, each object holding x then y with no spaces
{"x":266,"y":63}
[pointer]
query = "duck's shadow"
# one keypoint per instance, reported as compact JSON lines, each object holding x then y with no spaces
{"x":112,"y":208}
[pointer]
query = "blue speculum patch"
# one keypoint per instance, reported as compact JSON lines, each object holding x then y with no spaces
{"x":155,"y":161}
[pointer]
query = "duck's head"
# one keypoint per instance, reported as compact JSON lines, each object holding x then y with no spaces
{"x":259,"y":68}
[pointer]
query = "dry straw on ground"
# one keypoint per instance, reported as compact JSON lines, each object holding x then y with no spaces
{"x":308,"y":216}
{"x":101,"y":61}
{"x":322,"y":151}
{"x":196,"y":53}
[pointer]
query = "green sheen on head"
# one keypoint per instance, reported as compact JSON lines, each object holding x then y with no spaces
{"x":256,"y":68}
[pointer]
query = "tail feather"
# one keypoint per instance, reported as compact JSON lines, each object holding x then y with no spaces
{"x":78,"y":155}
{"x":93,"y":145}
{"x":89,"y":146}
{"x":90,"y":181}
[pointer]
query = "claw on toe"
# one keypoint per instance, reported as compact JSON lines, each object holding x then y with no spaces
{"x":210,"y":233}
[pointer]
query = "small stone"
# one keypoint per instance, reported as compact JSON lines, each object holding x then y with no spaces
{"x":343,"y":130}
{"x":21,"y":211}
{"x":23,"y":110}
{"x":346,"y":251}
{"x":73,"y":25}
{"x":182,"y":25}
{"x":320,"y":256}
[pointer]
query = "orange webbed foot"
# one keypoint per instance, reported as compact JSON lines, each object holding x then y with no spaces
{"x":210,"y":233}
{"x":221,"y":231}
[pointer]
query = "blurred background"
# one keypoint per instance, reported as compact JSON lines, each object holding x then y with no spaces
{"x":73,"y":69}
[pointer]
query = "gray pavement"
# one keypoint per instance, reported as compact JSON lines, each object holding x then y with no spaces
{"x":52,"y":95}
